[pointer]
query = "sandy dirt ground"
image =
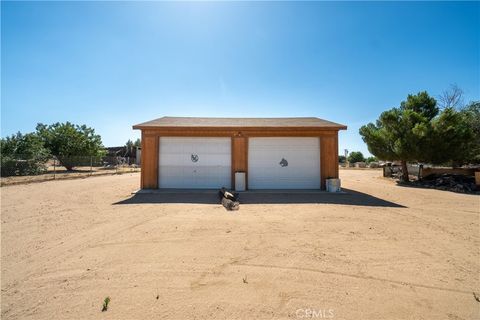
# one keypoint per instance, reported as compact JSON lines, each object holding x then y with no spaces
{"x":380,"y":251}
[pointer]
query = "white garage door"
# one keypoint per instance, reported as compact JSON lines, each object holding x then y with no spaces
{"x":194,"y":162}
{"x":283,"y":163}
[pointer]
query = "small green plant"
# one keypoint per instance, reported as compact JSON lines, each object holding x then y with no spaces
{"x":105,"y":304}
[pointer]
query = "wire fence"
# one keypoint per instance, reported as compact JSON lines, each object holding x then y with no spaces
{"x":28,"y":168}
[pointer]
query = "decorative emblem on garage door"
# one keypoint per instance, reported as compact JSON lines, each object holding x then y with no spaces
{"x":194,"y":157}
{"x":283,"y":163}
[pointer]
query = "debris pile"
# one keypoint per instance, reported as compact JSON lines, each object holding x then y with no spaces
{"x":229,"y":199}
{"x":451,"y":182}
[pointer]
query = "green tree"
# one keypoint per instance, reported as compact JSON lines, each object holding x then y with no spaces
{"x":356,"y":156}
{"x":402,"y":133}
{"x":471,"y":116}
{"x":70,"y":143}
{"x":23,"y":155}
{"x":371,"y":159}
{"x":129,"y":144}
{"x":137,"y":143}
{"x":450,"y":139}
{"x":342,"y":159}
{"x":422,"y":104}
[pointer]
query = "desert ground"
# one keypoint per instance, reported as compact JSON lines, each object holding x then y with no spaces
{"x":378,"y":251}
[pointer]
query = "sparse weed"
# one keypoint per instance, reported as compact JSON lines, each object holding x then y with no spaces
{"x":105,"y":304}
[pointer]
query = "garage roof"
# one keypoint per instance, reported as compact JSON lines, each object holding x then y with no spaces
{"x":175,"y":122}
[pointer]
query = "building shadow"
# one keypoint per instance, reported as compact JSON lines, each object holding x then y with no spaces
{"x":347,"y":197}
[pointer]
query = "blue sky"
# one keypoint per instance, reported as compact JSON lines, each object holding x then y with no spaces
{"x":110,"y":65}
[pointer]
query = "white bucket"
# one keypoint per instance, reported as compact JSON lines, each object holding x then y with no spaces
{"x":333,"y":185}
{"x":239,"y":181}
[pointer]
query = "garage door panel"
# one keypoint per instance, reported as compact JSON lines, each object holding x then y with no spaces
{"x":170,"y":160}
{"x":284,"y":163}
{"x":207,"y":159}
{"x":191,"y":162}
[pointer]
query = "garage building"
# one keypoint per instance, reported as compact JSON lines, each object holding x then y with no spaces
{"x":204,"y":153}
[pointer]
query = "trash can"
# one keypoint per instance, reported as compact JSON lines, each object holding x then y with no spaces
{"x":333,"y":185}
{"x":240,"y":181}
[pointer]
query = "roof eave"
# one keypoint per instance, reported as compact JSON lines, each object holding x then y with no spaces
{"x":147,"y":127}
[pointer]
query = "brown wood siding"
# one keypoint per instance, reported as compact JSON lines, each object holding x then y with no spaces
{"x":239,"y":157}
{"x":150,"y":144}
{"x":328,"y":159}
{"x":149,"y":173}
